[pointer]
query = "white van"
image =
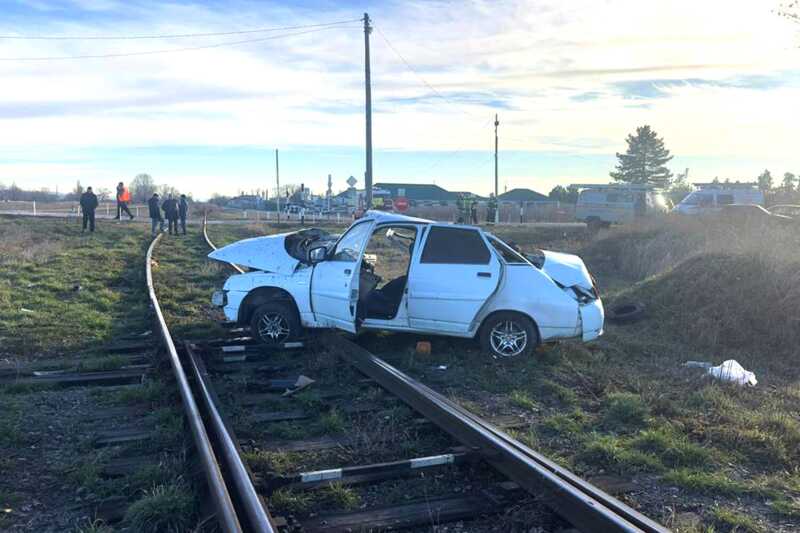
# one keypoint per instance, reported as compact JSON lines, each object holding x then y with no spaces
{"x":711,"y":197}
{"x":602,"y":205}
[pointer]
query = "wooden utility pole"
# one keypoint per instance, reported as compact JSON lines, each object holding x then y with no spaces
{"x":278,"y":184}
{"x":368,"y":87}
{"x":496,"y":190}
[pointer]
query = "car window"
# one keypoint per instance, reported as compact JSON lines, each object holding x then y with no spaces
{"x":350,"y":245}
{"x":511,"y":256}
{"x":724,"y":199}
{"x":458,"y":246}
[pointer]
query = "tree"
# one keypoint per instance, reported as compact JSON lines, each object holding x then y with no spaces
{"x":644,"y":160}
{"x":142,"y":187}
{"x":788,"y":182}
{"x":568,"y":195}
{"x":165,"y":190}
{"x":103,"y":194}
{"x":765,"y":181}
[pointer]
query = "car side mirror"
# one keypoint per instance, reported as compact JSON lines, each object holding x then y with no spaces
{"x":317,"y":254}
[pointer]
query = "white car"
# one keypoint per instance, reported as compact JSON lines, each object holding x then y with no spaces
{"x":398,"y":273}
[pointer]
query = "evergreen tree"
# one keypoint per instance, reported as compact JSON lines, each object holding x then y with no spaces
{"x":788,"y":182}
{"x":644,"y":161}
{"x":765,"y":181}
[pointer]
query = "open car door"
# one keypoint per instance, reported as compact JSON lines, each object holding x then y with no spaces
{"x":334,"y":281}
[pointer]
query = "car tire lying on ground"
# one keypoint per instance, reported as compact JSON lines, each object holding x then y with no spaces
{"x":625,"y":313}
{"x":274,"y":323}
{"x":509,"y":334}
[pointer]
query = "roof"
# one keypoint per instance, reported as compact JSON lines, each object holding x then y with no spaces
{"x":522,"y":195}
{"x":419,"y":191}
{"x":382,"y":217}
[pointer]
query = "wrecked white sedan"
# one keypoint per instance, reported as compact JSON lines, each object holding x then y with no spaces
{"x":398,"y":273}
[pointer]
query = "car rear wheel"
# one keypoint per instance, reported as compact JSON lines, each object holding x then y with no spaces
{"x":509,"y":334}
{"x":274,"y":323}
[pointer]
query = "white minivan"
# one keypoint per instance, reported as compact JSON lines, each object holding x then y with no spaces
{"x":603,"y":205}
{"x":399,"y":273}
{"x":712,"y":197}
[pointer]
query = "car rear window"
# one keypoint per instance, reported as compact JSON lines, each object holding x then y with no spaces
{"x":457,"y":246}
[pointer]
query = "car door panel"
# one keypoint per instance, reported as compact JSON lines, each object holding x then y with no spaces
{"x":446,"y":296}
{"x":334,"y":283}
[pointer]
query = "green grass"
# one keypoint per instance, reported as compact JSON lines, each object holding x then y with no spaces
{"x":40,"y":309}
{"x":735,"y":521}
{"x":163,"y":508}
{"x":706,"y":482}
{"x":623,"y":410}
{"x":522,"y":400}
{"x":672,"y":448}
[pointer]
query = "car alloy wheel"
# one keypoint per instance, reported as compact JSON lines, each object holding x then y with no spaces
{"x":273,"y":328}
{"x":508,"y":338}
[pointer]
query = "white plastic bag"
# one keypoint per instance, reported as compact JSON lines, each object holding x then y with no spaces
{"x":732,"y":371}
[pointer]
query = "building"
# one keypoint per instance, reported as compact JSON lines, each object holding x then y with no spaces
{"x":419,"y":194}
{"x":523,"y":196}
{"x":246,"y":201}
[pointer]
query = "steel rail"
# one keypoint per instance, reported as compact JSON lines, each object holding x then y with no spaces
{"x":258,"y":517}
{"x":226,"y":513}
{"x":581,"y":503}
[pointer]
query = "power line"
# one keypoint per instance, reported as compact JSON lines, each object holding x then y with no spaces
{"x":168,"y":35}
{"x":169,"y":50}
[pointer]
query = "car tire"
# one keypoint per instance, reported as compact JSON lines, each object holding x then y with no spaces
{"x":500,"y":330}
{"x":275,"y":323}
{"x":625,"y":313}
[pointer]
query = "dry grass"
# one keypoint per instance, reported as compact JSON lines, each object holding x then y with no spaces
{"x":722,"y":284}
{"x":21,"y":244}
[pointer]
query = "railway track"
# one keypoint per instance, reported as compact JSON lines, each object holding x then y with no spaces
{"x":271,"y":404}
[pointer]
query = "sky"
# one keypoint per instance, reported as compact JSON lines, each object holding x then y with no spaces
{"x":718,"y":80}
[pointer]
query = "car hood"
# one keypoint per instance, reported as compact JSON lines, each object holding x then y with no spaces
{"x":566,"y":269}
{"x":280,"y":253}
{"x":261,"y":253}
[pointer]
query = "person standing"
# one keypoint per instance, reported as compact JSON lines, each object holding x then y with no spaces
{"x":155,"y":214}
{"x":473,"y":211}
{"x":170,"y":208}
{"x":183,"y":210}
{"x":88,"y":205}
{"x":123,"y":198}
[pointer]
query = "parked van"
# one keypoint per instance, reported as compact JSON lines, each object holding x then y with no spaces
{"x":711,"y":197}
{"x":602,"y":205}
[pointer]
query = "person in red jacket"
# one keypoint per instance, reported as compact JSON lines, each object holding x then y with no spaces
{"x":123,"y":198}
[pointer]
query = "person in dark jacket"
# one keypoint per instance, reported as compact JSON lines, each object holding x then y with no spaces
{"x":183,"y":210}
{"x":170,"y":208}
{"x":155,"y":214}
{"x":88,"y":205}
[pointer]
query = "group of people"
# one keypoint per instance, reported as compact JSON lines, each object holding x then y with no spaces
{"x":175,"y":210}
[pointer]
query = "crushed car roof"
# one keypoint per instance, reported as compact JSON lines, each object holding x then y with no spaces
{"x":382,"y":217}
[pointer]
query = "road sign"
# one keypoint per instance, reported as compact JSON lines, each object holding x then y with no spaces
{"x":401,"y":204}
{"x":351,"y":181}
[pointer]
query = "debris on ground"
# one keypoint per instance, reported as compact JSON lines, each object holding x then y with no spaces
{"x":301,"y":383}
{"x":732,"y":371}
{"x":25,"y":310}
{"x":729,"y":370}
{"x":423,"y":348}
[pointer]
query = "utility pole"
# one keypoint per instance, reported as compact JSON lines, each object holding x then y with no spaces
{"x":368,"y":87}
{"x":496,"y":191}
{"x":278,"y":183}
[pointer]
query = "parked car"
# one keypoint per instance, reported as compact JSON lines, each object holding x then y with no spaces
{"x":603,"y":205}
{"x":751,"y":214}
{"x":393,"y":272}
{"x":711,"y":197}
{"x":789,"y":210}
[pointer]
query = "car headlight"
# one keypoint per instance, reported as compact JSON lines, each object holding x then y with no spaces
{"x":219,"y":298}
{"x":583,"y":296}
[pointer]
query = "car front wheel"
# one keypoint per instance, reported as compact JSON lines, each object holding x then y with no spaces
{"x":275,"y":323}
{"x":509,"y":335}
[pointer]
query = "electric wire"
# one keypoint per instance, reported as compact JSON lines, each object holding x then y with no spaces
{"x":168,"y":50}
{"x":169,"y":35}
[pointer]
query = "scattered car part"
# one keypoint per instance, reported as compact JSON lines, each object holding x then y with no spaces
{"x":625,"y":313}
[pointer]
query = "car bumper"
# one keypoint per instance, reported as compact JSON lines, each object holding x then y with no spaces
{"x":592,"y":319}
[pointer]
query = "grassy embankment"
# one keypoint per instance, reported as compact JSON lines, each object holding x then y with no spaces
{"x":63,"y":297}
